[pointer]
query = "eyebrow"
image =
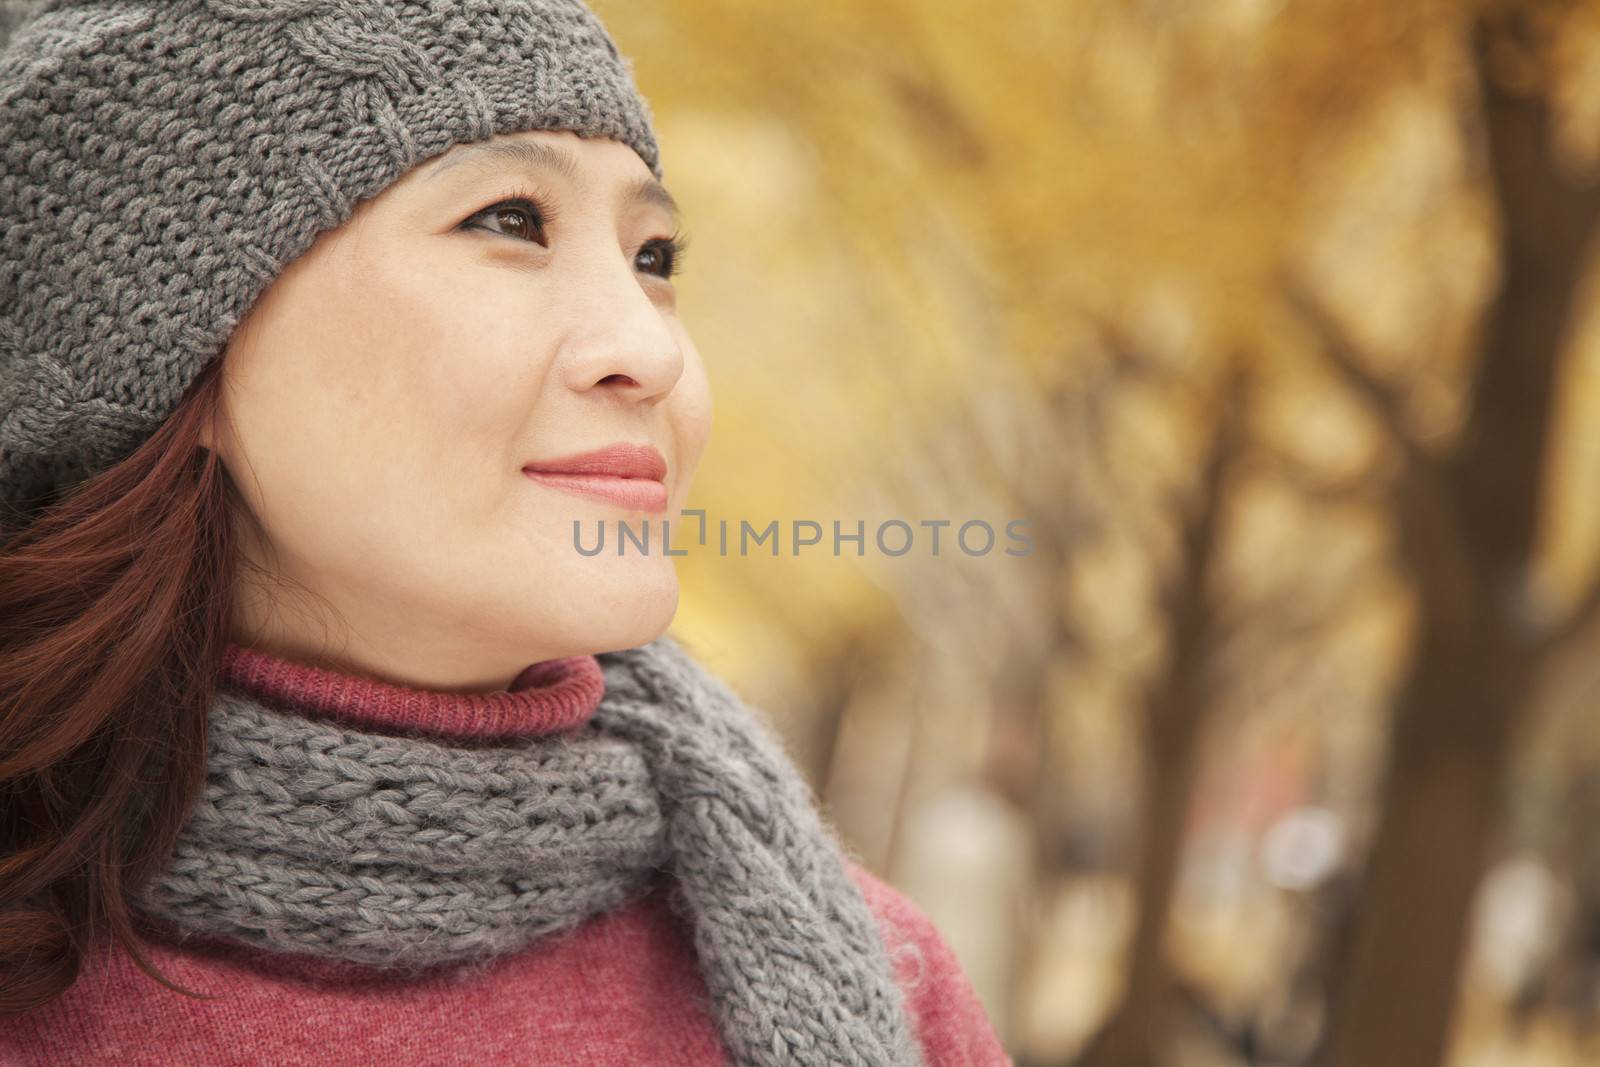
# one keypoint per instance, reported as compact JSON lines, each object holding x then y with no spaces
{"x":539,"y":156}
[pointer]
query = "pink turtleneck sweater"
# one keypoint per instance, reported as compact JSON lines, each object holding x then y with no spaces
{"x":623,"y":988}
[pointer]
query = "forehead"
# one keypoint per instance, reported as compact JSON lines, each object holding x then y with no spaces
{"x":534,"y":154}
{"x":524,"y":150}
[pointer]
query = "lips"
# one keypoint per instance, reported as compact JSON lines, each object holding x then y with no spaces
{"x":629,"y":475}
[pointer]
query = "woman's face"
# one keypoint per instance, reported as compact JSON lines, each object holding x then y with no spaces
{"x":492,"y":309}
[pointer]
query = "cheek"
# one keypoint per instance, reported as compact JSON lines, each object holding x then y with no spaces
{"x":440,"y":358}
{"x":691,"y":418}
{"x":412,"y":382}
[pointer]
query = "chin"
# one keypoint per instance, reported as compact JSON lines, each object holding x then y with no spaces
{"x":627,"y":604}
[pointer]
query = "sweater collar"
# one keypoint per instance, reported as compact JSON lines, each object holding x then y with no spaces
{"x":547,"y":697}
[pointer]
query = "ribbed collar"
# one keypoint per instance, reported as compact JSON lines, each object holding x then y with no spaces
{"x":548,"y":696}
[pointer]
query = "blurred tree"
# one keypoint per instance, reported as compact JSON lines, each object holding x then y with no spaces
{"x":1175,"y":711}
{"x":1469,"y":518}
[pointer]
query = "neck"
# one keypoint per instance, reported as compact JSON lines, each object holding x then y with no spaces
{"x":547,"y":697}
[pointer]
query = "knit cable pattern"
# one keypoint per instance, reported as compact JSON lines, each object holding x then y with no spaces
{"x":401,"y":852}
{"x":162,"y":161}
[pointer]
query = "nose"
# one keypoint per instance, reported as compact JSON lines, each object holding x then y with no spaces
{"x":621,"y":341}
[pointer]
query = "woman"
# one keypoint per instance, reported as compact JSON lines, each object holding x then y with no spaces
{"x":321,"y":324}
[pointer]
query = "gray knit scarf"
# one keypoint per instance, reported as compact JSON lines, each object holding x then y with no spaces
{"x":315,"y":838}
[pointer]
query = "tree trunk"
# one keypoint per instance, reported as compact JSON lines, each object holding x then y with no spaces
{"x":1175,"y":716}
{"x":1469,"y":530}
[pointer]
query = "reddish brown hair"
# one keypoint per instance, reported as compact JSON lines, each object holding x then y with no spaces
{"x":114,"y":611}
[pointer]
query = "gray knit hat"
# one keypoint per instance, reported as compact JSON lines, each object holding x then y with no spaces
{"x":161,"y":161}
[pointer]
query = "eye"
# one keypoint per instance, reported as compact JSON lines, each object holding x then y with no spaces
{"x":519,"y":216}
{"x":663,"y":256}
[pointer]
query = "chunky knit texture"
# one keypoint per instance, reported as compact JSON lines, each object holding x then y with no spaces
{"x":161,"y":161}
{"x":620,"y":989}
{"x":404,"y":854}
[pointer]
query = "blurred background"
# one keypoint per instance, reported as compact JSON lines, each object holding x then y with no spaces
{"x":1276,"y":322}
